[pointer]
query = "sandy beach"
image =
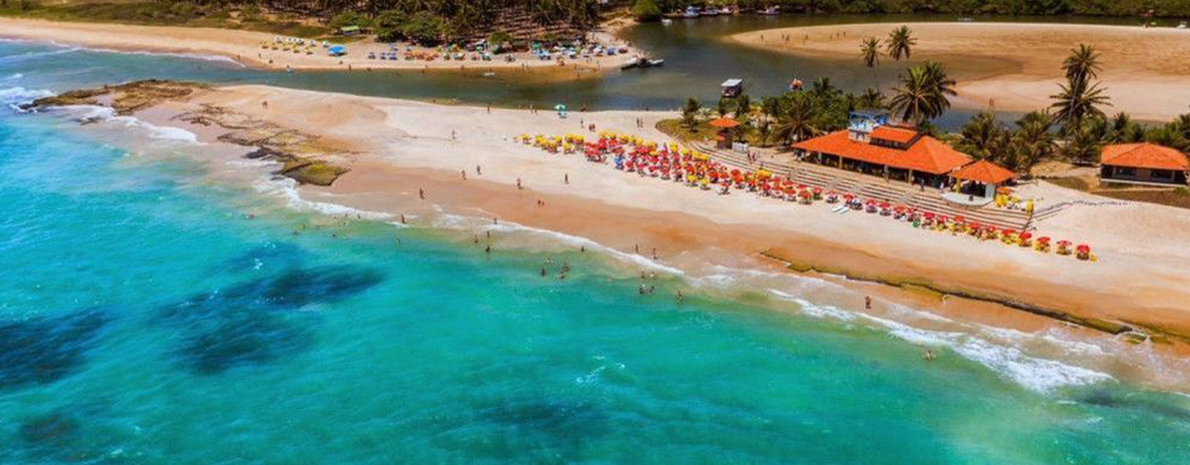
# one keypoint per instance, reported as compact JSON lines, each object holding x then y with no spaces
{"x":400,"y":148}
{"x":244,"y":47}
{"x":1016,"y":66}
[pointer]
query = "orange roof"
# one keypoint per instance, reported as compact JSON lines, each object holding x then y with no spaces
{"x":725,"y":123}
{"x":1144,"y":155}
{"x":928,"y":155}
{"x":983,"y":171}
{"x":898,"y":135}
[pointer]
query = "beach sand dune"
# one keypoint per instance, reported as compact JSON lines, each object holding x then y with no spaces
{"x":1016,"y":66}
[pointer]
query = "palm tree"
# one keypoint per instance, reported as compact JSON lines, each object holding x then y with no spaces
{"x":872,"y":98}
{"x":900,"y":43}
{"x":824,"y":89}
{"x":924,"y":93}
{"x":1079,"y":100}
{"x":983,"y":137}
{"x":1032,"y":142}
{"x":1084,"y":143}
{"x":799,"y":118}
{"x":869,"y":50}
{"x":1082,"y":65}
{"x":690,"y":113}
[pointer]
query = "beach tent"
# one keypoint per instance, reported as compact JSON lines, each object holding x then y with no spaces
{"x":337,"y":50}
{"x":561,"y":110}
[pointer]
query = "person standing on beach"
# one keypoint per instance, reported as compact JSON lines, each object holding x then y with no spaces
{"x":421,"y":193}
{"x":518,"y":184}
{"x":566,"y":178}
{"x":464,"y":173}
{"x":868,"y":302}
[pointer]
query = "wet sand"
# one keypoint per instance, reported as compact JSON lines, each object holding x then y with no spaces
{"x":1016,"y":66}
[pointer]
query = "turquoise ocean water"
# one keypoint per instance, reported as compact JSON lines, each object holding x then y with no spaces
{"x":145,"y":318}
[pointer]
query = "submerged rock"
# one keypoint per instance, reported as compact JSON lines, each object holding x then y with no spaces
{"x":247,"y":324}
{"x":125,"y":98}
{"x":45,"y":350}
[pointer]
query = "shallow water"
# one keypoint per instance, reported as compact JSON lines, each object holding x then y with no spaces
{"x":146,"y":318}
{"x":696,"y":63}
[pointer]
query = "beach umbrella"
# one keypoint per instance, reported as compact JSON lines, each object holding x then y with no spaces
{"x":1083,"y":248}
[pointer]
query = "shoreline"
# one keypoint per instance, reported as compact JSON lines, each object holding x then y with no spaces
{"x":620,"y":212}
{"x":1016,"y":66}
{"x":243,"y":47}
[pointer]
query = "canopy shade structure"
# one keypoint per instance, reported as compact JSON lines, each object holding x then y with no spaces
{"x":725,"y":123}
{"x":983,"y":171}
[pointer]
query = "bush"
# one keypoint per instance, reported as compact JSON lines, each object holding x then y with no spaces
{"x":388,"y":25}
{"x":646,"y":10}
{"x":349,"y":18}
{"x":424,"y":27}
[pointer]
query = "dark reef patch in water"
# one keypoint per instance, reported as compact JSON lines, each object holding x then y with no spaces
{"x":47,"y":349}
{"x":545,"y":429}
{"x":247,"y":324}
{"x":1104,"y":398}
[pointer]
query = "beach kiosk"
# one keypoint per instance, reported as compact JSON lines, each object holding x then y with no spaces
{"x":732,"y":88}
{"x":979,"y":182}
{"x":724,"y":138}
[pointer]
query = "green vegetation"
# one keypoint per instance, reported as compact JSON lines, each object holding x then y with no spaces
{"x":924,"y":93}
{"x":646,"y":10}
{"x":1160,"y":8}
{"x":165,"y":13}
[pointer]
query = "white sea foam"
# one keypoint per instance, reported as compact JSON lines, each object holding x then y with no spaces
{"x":286,"y":189}
{"x":188,"y":56}
{"x":28,"y":55}
{"x":572,"y":240}
{"x":14,"y":76}
{"x":1036,"y":374}
{"x":14,"y":97}
{"x":158,"y":132}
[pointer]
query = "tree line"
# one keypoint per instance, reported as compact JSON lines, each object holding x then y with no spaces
{"x":1074,"y":127}
{"x":1119,"y":8}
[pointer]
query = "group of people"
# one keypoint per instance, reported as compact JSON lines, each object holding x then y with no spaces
{"x":670,"y":162}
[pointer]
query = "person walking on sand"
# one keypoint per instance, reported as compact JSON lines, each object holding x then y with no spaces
{"x":478,"y":170}
{"x":566,"y":178}
{"x":402,"y":218}
{"x":421,"y":193}
{"x":868,"y":302}
{"x":518,"y":184}
{"x":464,"y":173}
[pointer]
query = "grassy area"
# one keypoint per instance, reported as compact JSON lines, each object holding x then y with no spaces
{"x":164,"y":13}
{"x":1174,"y":197}
{"x":704,"y":131}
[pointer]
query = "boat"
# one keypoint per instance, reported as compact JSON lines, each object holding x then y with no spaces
{"x":642,"y":62}
{"x":691,"y":12}
{"x":773,"y":10}
{"x":1182,"y":25}
{"x":666,"y":21}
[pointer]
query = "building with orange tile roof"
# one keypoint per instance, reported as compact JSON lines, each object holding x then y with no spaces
{"x":870,"y":146}
{"x":1143,"y":163}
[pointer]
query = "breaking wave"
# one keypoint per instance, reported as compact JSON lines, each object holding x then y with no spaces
{"x":1033,"y":373}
